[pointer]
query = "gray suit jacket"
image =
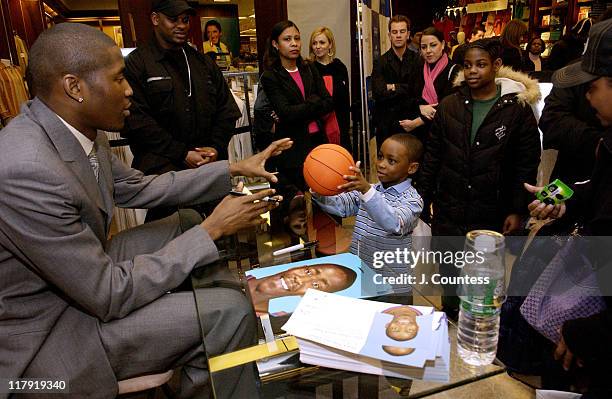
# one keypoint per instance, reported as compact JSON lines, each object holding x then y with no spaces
{"x":55,"y":277}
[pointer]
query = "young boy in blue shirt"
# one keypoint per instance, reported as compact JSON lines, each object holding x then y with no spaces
{"x":387,"y":211}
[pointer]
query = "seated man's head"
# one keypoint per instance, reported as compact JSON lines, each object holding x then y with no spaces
{"x":78,"y":72}
{"x":326,"y":277}
{"x":398,"y":158}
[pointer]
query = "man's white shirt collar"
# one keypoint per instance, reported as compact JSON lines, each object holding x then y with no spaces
{"x":85,"y":142}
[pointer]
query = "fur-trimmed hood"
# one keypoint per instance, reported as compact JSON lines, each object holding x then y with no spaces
{"x":526,"y":89}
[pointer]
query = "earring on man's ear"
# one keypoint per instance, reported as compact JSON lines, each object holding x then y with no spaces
{"x":80,"y":99}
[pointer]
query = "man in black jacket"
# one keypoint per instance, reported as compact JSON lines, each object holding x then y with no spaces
{"x":586,"y":343}
{"x":183,"y":114}
{"x":392,"y":81}
{"x":569,"y":124}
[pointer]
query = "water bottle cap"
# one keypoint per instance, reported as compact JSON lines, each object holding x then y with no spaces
{"x":485,"y":243}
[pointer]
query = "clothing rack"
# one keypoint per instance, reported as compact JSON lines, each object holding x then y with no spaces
{"x":13,"y":91}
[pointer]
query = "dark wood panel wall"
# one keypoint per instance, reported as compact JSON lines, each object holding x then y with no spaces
{"x":27,"y":18}
{"x":24,"y":17}
{"x":135,"y":18}
{"x":419,"y":12}
{"x":7,"y":43}
{"x":267,"y":13}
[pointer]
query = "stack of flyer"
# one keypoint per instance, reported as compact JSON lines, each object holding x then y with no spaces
{"x":371,"y":337}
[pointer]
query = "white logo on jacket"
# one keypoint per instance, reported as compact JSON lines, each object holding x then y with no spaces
{"x":500,"y":132}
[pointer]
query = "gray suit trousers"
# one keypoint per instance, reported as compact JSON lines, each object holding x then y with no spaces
{"x":166,"y":333}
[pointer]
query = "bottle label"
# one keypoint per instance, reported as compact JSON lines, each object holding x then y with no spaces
{"x":485,"y":302}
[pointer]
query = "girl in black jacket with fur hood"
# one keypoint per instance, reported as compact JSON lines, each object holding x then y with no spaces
{"x":484,"y":144}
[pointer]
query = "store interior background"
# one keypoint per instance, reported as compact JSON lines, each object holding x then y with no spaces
{"x":128,"y":23}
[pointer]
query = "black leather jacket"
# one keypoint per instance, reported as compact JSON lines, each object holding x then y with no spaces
{"x":165,"y":122}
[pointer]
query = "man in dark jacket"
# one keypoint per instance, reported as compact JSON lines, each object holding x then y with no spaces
{"x":569,"y":124}
{"x":183,"y":114}
{"x":586,"y":343}
{"x":392,"y":81}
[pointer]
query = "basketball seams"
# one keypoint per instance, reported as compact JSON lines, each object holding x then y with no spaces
{"x":334,"y":189}
{"x":344,"y":153}
{"x":314,"y":181}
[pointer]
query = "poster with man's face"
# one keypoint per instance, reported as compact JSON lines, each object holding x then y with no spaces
{"x":277,"y":290}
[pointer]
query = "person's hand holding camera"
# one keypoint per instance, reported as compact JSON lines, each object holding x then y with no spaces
{"x":237,"y":213}
{"x":540,"y":210}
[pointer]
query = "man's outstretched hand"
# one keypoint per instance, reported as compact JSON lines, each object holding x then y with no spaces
{"x":255,"y":166}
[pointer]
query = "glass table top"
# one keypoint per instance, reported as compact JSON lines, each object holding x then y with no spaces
{"x":281,"y":374}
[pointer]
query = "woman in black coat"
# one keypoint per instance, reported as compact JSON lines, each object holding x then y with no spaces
{"x":299,"y":98}
{"x":434,"y":81}
{"x":322,"y":50}
{"x":511,"y":39}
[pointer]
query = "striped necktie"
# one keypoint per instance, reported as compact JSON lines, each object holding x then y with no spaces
{"x":93,"y":161}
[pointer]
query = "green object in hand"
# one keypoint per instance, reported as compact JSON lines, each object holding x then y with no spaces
{"x":555,"y":193}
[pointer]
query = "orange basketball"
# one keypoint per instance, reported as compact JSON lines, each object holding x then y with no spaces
{"x":325,"y":166}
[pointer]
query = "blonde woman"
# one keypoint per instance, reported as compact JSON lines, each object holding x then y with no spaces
{"x":322,"y":51}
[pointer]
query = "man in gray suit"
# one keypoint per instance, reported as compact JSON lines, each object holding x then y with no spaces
{"x":79,"y":308}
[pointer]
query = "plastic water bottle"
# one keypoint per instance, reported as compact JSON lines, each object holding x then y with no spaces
{"x":481,"y":297}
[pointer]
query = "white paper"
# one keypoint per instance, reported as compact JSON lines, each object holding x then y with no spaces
{"x":337,"y":321}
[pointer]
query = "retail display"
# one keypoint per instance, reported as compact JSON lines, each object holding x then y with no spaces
{"x":13,"y":91}
{"x":547,"y":19}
